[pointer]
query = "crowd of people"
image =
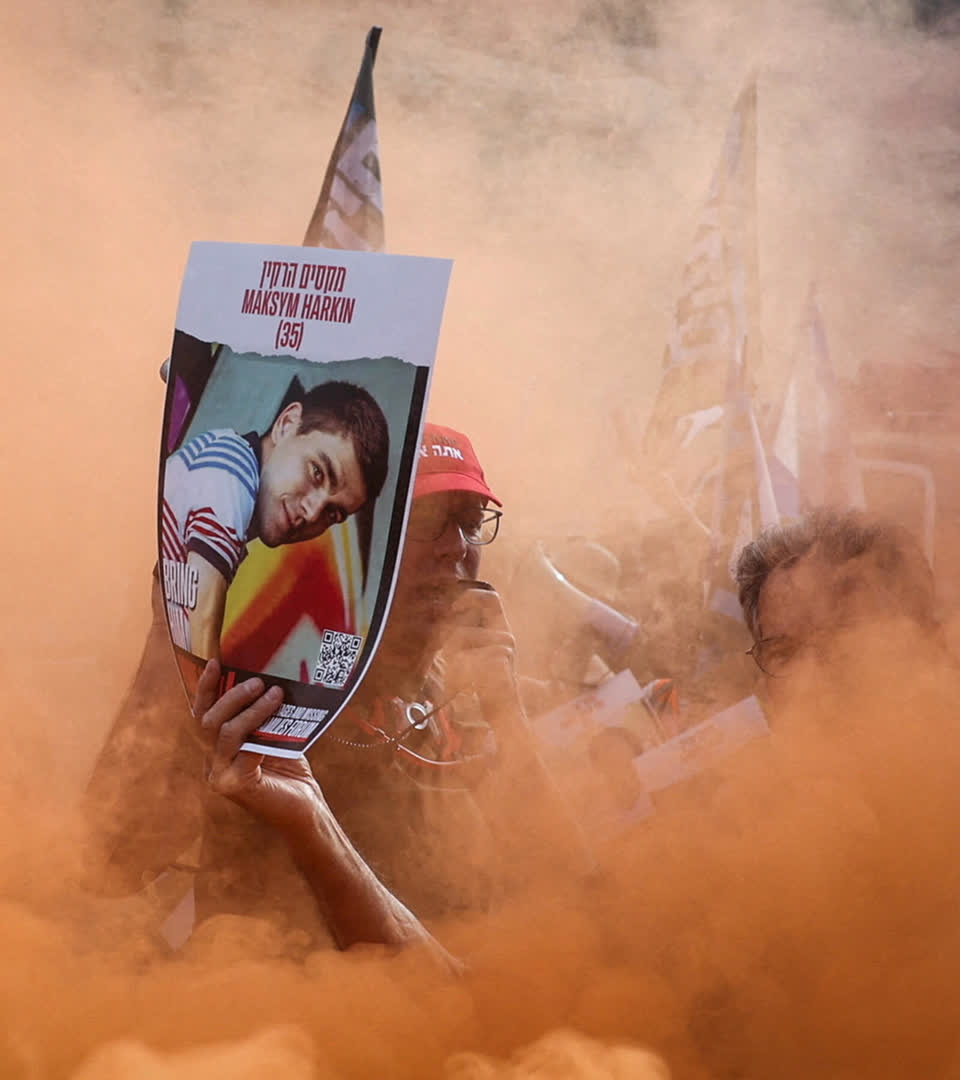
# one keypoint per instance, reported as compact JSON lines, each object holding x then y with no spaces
{"x":379,"y":832}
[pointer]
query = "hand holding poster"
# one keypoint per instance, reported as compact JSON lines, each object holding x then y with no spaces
{"x":296,"y":394}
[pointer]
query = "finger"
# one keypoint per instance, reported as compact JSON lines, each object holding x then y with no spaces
{"x":232,"y":733}
{"x":465,"y":638}
{"x":480,"y":607}
{"x":478,"y":658}
{"x":222,"y":711}
{"x":206,"y":693}
{"x":239,"y":774}
{"x":479,"y":663}
{"x":489,"y":667}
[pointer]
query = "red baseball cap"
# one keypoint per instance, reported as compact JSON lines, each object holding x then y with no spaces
{"x":447,"y":462}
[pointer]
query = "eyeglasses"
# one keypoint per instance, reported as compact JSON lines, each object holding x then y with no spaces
{"x":477,"y":526}
{"x":773,"y":654}
{"x":826,"y":644}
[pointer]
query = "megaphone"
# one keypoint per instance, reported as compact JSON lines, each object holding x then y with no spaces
{"x":614,"y":630}
{"x":552,"y":610}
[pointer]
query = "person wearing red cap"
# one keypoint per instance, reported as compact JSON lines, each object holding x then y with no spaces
{"x":451,"y":521}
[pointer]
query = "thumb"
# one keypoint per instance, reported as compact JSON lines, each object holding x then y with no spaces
{"x":241,"y":774}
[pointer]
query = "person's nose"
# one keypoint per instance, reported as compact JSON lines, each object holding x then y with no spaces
{"x":450,"y":544}
{"x":313,"y":504}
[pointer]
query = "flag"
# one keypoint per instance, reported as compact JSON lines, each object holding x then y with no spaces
{"x":743,"y":494}
{"x":812,"y":459}
{"x":349,"y":211}
{"x":703,"y":438}
{"x":714,"y":320}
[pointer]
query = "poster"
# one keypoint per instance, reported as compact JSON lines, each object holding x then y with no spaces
{"x":297,"y":388}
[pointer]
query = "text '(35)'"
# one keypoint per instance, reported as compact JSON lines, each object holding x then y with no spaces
{"x":297,"y":292}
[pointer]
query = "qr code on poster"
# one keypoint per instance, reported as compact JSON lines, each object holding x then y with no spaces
{"x":338,"y":654}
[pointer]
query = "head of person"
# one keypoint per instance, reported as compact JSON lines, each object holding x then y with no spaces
{"x":829,"y":595}
{"x":324,"y":457}
{"x":454,"y":515}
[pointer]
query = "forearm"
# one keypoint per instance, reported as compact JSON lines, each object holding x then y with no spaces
{"x":284,"y":793}
{"x":356,"y":905}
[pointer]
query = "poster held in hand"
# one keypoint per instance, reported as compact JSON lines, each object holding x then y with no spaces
{"x":297,"y":388}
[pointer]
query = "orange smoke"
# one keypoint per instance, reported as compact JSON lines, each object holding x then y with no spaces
{"x":790,"y":915}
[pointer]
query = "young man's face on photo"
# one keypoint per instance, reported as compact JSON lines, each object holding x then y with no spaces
{"x":308,"y":482}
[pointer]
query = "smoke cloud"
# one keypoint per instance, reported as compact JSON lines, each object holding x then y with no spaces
{"x":790,"y":914}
